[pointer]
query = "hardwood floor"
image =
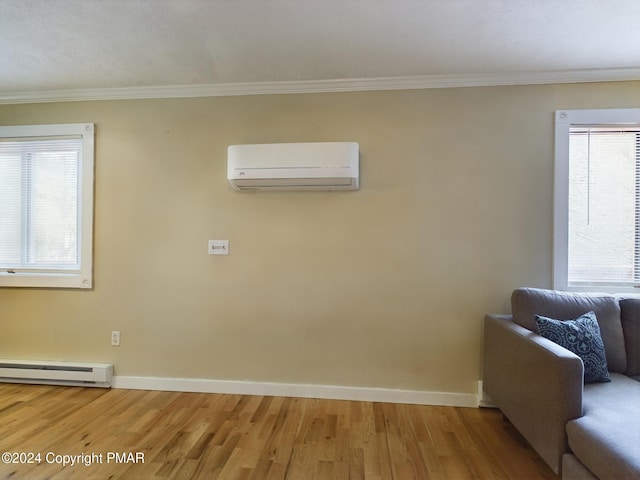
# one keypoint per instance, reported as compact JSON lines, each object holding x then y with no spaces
{"x":160,"y":435}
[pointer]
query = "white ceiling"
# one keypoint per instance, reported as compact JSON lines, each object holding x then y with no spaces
{"x":51,"y":47}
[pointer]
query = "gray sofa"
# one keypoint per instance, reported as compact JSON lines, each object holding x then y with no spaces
{"x":582,"y":430}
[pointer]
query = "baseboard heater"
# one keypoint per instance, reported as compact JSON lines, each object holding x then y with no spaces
{"x":56,"y":373}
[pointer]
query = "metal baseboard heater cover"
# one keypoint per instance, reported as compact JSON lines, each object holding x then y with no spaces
{"x":56,"y":373}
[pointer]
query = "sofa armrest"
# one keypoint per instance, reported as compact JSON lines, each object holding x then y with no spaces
{"x":536,"y":383}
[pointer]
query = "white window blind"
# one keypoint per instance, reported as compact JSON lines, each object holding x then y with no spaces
{"x":46,"y":203}
{"x":39,"y":196}
{"x":603,"y":205}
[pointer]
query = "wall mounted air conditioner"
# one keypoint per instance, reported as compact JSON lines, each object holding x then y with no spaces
{"x":294,"y":166}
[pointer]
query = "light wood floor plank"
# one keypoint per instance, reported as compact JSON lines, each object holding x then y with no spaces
{"x":236,"y":437}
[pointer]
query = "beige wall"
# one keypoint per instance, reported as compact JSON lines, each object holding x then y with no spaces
{"x":383,"y":287}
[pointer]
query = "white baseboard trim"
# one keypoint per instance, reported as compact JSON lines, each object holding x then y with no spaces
{"x":297,"y":390}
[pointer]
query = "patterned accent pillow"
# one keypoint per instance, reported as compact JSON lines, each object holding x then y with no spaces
{"x":582,"y":337}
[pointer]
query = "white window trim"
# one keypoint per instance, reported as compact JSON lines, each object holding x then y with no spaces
{"x":84,"y":277}
{"x":564,"y":120}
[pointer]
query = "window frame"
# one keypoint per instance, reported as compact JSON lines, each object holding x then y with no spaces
{"x":60,"y":278}
{"x":564,"y":121}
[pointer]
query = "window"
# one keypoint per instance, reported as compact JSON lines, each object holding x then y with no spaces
{"x":597,"y":200}
{"x":46,"y":206}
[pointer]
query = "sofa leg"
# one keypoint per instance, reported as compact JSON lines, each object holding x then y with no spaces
{"x":573,"y":469}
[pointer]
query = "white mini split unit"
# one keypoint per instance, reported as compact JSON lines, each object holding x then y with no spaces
{"x":294,"y":166}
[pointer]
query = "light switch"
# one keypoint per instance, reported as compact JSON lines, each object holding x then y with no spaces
{"x":218,"y":247}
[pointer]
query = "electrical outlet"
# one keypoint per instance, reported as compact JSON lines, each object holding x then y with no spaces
{"x":218,"y":247}
{"x":115,"y":338}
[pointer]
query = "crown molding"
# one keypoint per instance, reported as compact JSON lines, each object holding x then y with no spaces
{"x":326,"y":86}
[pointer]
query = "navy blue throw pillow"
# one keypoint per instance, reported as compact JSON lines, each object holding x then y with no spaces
{"x":582,"y":337}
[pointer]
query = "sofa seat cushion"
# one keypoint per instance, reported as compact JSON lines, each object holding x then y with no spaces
{"x":606,"y":439}
{"x":526,"y":303}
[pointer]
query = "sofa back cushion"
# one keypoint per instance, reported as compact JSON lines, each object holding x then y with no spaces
{"x":526,"y":303}
{"x":630,"y":316}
